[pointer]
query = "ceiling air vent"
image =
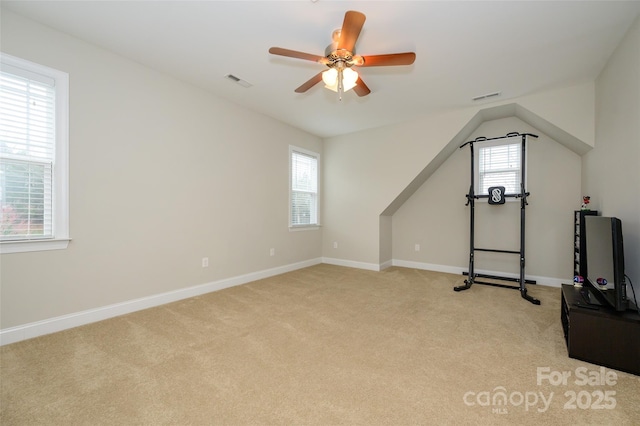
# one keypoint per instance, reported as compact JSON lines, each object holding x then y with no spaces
{"x":238,"y":80}
{"x":487,"y":96}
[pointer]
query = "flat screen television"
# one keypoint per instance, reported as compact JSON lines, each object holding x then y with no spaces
{"x":605,"y":261}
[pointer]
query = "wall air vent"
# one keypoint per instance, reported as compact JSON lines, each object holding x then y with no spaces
{"x":487,"y":96}
{"x":238,"y":80}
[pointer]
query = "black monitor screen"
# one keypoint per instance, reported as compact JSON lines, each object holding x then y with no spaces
{"x":605,"y":259}
{"x":599,"y":250}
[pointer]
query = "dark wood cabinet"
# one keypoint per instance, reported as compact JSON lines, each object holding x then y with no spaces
{"x":598,"y":334}
{"x":579,"y":252}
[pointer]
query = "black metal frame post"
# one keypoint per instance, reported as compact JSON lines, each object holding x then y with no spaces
{"x":471,"y":197}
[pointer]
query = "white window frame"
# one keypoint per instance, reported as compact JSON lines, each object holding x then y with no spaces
{"x":60,"y":196}
{"x":515,"y":140}
{"x":312,"y":226}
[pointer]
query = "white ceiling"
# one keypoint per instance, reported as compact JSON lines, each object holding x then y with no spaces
{"x":464,"y":49}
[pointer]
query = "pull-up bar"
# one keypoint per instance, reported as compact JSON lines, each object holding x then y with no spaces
{"x":522,"y":195}
{"x":508,"y":135}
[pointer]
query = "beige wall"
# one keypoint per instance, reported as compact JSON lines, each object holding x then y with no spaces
{"x":162,"y":174}
{"x":611,"y":171}
{"x":436,"y":217}
{"x":366,"y":171}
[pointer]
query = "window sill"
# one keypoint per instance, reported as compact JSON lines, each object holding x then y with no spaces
{"x":7,"y":247}
{"x":304,"y":228}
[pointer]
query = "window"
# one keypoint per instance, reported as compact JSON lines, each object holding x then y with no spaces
{"x":498,"y":164}
{"x":33,"y":156}
{"x":303,"y":189}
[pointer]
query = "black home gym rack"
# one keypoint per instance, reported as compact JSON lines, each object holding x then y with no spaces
{"x":522,"y":195}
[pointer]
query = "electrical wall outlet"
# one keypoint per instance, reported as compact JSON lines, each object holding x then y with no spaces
{"x":205,"y":262}
{"x":272,"y":252}
{"x":335,"y":244}
{"x":417,"y":247}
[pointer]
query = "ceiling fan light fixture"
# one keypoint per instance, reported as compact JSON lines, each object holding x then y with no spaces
{"x":332,"y":76}
{"x":349,"y":79}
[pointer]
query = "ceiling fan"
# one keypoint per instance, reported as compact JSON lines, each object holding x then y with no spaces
{"x":340,"y":57}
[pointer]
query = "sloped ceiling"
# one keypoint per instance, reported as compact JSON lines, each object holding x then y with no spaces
{"x":491,"y":113}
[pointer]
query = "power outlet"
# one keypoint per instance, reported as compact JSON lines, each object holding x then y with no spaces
{"x":335,"y":244}
{"x":417,"y":247}
{"x":272,"y":252}
{"x":205,"y":262}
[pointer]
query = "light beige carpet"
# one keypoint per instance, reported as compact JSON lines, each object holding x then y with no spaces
{"x":319,"y":346}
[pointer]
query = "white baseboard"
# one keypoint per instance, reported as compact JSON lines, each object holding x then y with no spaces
{"x":546,"y":281}
{"x":385,"y":265}
{"x":64,"y":322}
{"x":352,"y":264}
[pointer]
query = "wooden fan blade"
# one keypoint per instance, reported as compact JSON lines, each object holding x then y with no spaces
{"x":406,"y":58}
{"x":310,"y":83}
{"x":361,"y":89}
{"x":351,"y":27}
{"x":295,"y":54}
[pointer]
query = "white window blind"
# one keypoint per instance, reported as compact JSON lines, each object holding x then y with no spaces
{"x":27,"y":154}
{"x":499,"y":165}
{"x":304,"y":188}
